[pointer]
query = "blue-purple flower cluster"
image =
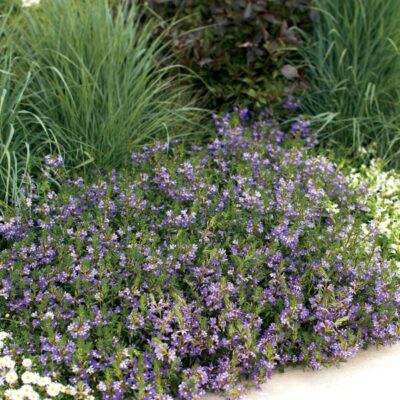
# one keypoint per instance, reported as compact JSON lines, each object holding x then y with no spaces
{"x":197,"y":272}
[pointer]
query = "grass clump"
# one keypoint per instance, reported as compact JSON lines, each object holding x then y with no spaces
{"x":353,"y":63}
{"x":11,"y":147}
{"x":187,"y":273}
{"x":95,"y":89}
{"x":19,"y":145}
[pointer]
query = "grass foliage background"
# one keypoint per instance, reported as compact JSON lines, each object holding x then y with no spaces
{"x":86,"y":77}
{"x":93,"y":79}
{"x":353,"y":64}
{"x":15,"y":147}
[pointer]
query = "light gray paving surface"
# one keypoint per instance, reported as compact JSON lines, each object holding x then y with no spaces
{"x":370,"y":375}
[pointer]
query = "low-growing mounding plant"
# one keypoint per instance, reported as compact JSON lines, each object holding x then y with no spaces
{"x":383,"y":200}
{"x":19,"y":379}
{"x":188,"y":273}
{"x":353,"y":69}
{"x":242,"y":50}
{"x":96,"y":84}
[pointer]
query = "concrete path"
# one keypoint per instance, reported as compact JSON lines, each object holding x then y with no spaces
{"x":371,"y":375}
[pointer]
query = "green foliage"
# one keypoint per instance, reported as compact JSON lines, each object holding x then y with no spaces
{"x":186,"y":273}
{"x":5,"y":6}
{"x":87,"y":80}
{"x":240,"y":49}
{"x":14,"y":150}
{"x":353,"y":68}
{"x":16,"y":156}
{"x":383,"y":200}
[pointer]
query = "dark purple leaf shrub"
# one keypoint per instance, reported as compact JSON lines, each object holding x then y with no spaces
{"x":241,"y":49}
{"x":198,"y":272}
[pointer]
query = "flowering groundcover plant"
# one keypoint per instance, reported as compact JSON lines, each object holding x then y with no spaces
{"x":199,"y":272}
{"x":18,"y":380}
{"x":383,"y":200}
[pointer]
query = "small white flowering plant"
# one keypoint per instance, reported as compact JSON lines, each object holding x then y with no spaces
{"x":383,"y":200}
{"x":18,"y":379}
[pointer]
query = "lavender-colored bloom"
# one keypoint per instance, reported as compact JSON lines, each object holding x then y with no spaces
{"x":79,"y":330}
{"x":54,"y":162}
{"x":291,"y":103}
{"x":184,"y":273}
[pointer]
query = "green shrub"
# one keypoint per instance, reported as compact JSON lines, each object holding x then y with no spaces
{"x":96,"y":84}
{"x":353,"y":69}
{"x":238,"y":48}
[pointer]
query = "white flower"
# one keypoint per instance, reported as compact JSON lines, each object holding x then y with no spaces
{"x":27,"y":363}
{"x":26,"y":390}
{"x":33,"y":396}
{"x":54,"y":389}
{"x":383,"y":200}
{"x":48,"y":315}
{"x":11,"y":377}
{"x":10,"y":364}
{"x":43,"y":381}
{"x":4,"y":335}
{"x":8,"y":393}
{"x":70,"y":390}
{"x":7,"y":362}
{"x":30,"y":377}
{"x":12,"y":394}
{"x":30,"y":3}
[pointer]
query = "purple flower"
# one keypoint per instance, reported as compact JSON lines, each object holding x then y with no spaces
{"x":54,"y":162}
{"x":291,"y":103}
{"x":196,"y":268}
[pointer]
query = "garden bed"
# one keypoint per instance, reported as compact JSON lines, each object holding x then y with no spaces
{"x":191,"y":271}
{"x":154,"y":250}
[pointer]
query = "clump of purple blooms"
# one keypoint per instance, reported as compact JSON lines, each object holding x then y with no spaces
{"x":198,"y":272}
{"x":291,"y":103}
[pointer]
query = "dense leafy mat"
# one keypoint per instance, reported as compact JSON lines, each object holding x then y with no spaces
{"x":187,"y":273}
{"x":383,"y":200}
